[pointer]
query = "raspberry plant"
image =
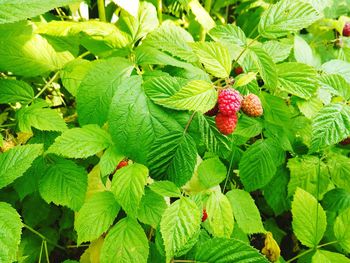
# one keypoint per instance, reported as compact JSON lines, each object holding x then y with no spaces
{"x":124,"y":137}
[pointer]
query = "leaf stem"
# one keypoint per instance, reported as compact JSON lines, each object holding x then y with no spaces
{"x":101,"y":10}
{"x":159,"y":11}
{"x":229,"y":168}
{"x":47,"y":85}
{"x":43,"y":237}
{"x":46,"y":252}
{"x":245,"y":49}
{"x":189,"y":121}
{"x":203,"y":32}
{"x":84,"y":54}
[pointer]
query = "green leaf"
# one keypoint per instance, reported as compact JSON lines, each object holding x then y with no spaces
{"x":152,"y":207}
{"x":16,"y":161}
{"x":245,"y":211}
{"x":172,"y":39}
{"x":125,"y":242}
{"x":303,"y":52}
{"x":258,"y":164}
{"x":98,"y":87}
{"x":215,"y":57}
{"x":16,"y":10}
{"x":201,"y":15}
{"x":228,"y":250}
{"x":64,"y":183}
{"x":12,"y":91}
{"x":275,"y":109}
{"x":96,"y":216}
{"x":135,"y":122}
{"x":310,"y":174}
{"x":342,"y":230}
{"x":27,"y":54}
{"x":131,"y":7}
{"x":229,"y":33}
{"x":297,"y":78}
{"x":109,"y":160}
{"x":163,"y":87}
{"x":286,"y":16}
{"x":248,"y":127}
{"x":180,"y":222}
{"x":165,"y":188}
{"x":40,"y":117}
{"x":10,"y":232}
{"x":211,"y":172}
{"x":337,"y":84}
{"x":325,"y":256}
{"x":139,"y":24}
{"x":309,"y":219}
{"x":336,"y":200}
{"x":277,"y":50}
{"x":339,"y":169}
{"x":73,"y":73}
{"x":81,"y":142}
{"x":220,"y":216}
{"x":128,"y":187}
{"x":265,"y":66}
{"x":175,"y":156}
{"x":336,"y":66}
{"x":244,"y":79}
{"x":330,"y":126}
{"x":196,"y":95}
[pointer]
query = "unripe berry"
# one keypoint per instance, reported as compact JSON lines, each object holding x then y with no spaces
{"x":251,"y":105}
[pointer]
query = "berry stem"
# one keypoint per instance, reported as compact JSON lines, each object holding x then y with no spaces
{"x":189,"y":121}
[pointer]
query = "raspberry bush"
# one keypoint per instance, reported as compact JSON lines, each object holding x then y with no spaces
{"x":174,"y":131}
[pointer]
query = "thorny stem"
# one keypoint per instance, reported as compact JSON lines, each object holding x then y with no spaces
{"x":43,"y":237}
{"x":101,"y":10}
{"x":189,"y":122}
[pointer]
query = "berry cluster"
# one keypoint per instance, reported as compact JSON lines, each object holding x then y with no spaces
{"x":230,"y":101}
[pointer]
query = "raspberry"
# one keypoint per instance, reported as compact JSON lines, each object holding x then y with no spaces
{"x":345,"y":141}
{"x":205,"y":215}
{"x":229,"y":101}
{"x":238,"y":70}
{"x":251,"y":105}
{"x":122,"y":164}
{"x":213,"y":111}
{"x":226,"y":124}
{"x":346,"y":30}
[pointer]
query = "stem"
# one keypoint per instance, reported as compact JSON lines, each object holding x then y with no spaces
{"x":46,"y":252}
{"x":47,"y":85}
{"x":84,"y":54}
{"x":41,"y":251}
{"x":43,"y":237}
{"x":245,"y":49}
{"x":189,"y":122}
{"x":327,"y":244}
{"x":150,"y":234}
{"x":77,"y":246}
{"x":101,"y":10}
{"x":159,"y":11}
{"x":183,"y":260}
{"x":229,"y":169}
{"x":8,"y":125}
{"x":203,"y":32}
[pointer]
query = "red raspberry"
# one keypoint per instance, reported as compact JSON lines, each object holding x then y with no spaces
{"x":345,"y":141}
{"x":238,"y":70}
{"x":346,"y":30}
{"x":205,"y":215}
{"x":122,"y":164}
{"x":229,"y":101}
{"x":251,"y":105}
{"x":213,"y":111}
{"x":226,"y":124}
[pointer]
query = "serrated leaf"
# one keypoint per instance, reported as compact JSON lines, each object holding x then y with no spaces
{"x":163,"y":87}
{"x":196,"y":95}
{"x":336,"y":66}
{"x":286,"y":16}
{"x":180,"y":222}
{"x":125,"y":242}
{"x":173,"y":155}
{"x":325,"y":256}
{"x":81,"y":142}
{"x":151,"y":209}
{"x":275,"y":109}
{"x":330,"y":126}
{"x":165,"y":188}
{"x":228,"y":250}
{"x":277,"y":50}
{"x":215,"y":57}
{"x":96,"y":216}
{"x":245,"y":211}
{"x":258,"y":164}
{"x":110,"y":160}
{"x":172,"y":39}
{"x":265,"y":65}
{"x":16,"y":161}
{"x":337,"y":85}
{"x":308,"y":173}
{"x":342,"y":230}
{"x":41,"y":118}
{"x":202,"y":16}
{"x":64,"y":183}
{"x":132,"y":7}
{"x":248,"y":127}
{"x":297,"y":78}
{"x":128,"y":187}
{"x":12,"y":91}
{"x":336,"y":200}
{"x":339,"y":169}
{"x":135,"y":122}
{"x":15,"y":10}
{"x":244,"y":79}
{"x":211,"y":172}
{"x":229,"y":33}
{"x":220,"y":216}
{"x":10,"y":231}
{"x":303,"y":52}
{"x":98,"y":87}
{"x":309,"y":219}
